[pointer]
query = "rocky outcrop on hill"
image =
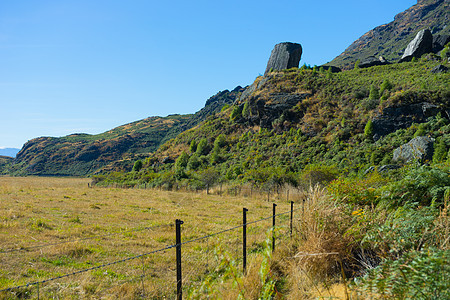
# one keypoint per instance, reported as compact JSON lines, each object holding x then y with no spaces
{"x":439,"y":41}
{"x":403,"y":116}
{"x":418,"y":149}
{"x":421,"y":44}
{"x":390,"y":40}
{"x":284,"y":56}
{"x":373,"y":61}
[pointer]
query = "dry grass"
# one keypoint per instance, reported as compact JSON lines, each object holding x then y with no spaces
{"x":42,"y":211}
{"x":316,"y":269}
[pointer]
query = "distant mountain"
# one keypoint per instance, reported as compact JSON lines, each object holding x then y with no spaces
{"x":390,"y":40}
{"x":9,"y":151}
{"x":117,"y":149}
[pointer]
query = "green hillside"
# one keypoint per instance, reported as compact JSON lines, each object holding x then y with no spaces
{"x":290,"y":120}
{"x":116,"y":149}
{"x":385,"y":220}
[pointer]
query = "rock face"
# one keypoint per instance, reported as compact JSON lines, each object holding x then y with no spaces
{"x":389,"y":40}
{"x":397,"y":117}
{"x":333,"y":68}
{"x":439,"y":69}
{"x":418,"y":149}
{"x":373,"y":61}
{"x":422,"y":43}
{"x":284,"y":56}
{"x":439,"y":41}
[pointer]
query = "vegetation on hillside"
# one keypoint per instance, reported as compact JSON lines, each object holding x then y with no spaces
{"x":388,"y":231}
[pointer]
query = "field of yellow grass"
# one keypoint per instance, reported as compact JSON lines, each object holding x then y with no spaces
{"x":53,"y":227}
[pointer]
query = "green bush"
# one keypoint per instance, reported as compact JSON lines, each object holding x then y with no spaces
{"x":138,"y":166}
{"x":368,"y":129}
{"x":374,"y":93}
{"x":417,"y":275}
{"x":421,"y":185}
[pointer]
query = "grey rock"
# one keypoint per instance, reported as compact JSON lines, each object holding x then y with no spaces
{"x":333,"y":68}
{"x":393,"y":118}
{"x":382,"y":169}
{"x":421,"y":44}
{"x":419,"y":149}
{"x":167,"y":160}
{"x":372,"y":61}
{"x":386,"y":168}
{"x":382,"y":59}
{"x":284,"y":56}
{"x":439,"y":42}
{"x":439,"y":69}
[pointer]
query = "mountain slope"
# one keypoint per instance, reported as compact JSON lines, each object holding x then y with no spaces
{"x":82,"y":154}
{"x":390,"y":40}
{"x":289,"y":120}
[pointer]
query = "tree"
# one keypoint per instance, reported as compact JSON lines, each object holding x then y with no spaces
{"x":208,"y":177}
{"x":236,"y":113}
{"x":385,"y":86}
{"x":180,"y":165}
{"x":203,"y":147}
{"x":246,"y":110}
{"x":374,"y":94}
{"x":368,"y":130}
{"x":193,"y":146}
{"x":137,"y":166}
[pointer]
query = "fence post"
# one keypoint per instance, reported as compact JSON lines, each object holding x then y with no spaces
{"x":244,"y":240}
{"x":292,"y":215}
{"x":178,"y":253}
{"x":273,"y":227}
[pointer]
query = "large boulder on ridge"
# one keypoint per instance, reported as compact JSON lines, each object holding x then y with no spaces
{"x":284,"y":56}
{"x":421,"y":44}
{"x":418,"y":149}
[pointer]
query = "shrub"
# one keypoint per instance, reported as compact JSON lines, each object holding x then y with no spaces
{"x":203,"y":147}
{"x":440,"y":151}
{"x":416,"y":275}
{"x":374,"y":93}
{"x":193,"y":146}
{"x":424,"y":185}
{"x":385,"y":86}
{"x":368,"y":129}
{"x":236,"y":113}
{"x":137,"y":166}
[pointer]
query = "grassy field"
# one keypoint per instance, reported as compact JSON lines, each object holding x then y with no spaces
{"x":51,"y":227}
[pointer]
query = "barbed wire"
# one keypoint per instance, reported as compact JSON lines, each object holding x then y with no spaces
{"x":144,"y":254}
{"x":88,"y":269}
{"x":37,"y":247}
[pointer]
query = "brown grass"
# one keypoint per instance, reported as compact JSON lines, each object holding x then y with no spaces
{"x":41,"y":211}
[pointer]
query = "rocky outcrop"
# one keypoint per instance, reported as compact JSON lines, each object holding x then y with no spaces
{"x":421,"y":44}
{"x":403,"y":116}
{"x":418,"y":149}
{"x":333,"y":68}
{"x":284,"y":56}
{"x":439,"y":42}
{"x":373,"y":61}
{"x":439,"y":69}
{"x":390,"y":40}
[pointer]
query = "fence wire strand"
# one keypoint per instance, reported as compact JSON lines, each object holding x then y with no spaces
{"x":133,"y":257}
{"x":37,"y":247}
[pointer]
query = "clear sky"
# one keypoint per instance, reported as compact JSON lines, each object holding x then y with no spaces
{"x":87,"y":66}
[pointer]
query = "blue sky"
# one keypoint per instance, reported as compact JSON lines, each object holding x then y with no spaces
{"x":72,"y":66}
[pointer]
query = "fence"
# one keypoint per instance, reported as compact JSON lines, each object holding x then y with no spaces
{"x":17,"y":291}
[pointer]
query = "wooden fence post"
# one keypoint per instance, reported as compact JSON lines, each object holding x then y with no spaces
{"x":178,"y":254}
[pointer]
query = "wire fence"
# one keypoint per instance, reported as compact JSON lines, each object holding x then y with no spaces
{"x":198,"y":261}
